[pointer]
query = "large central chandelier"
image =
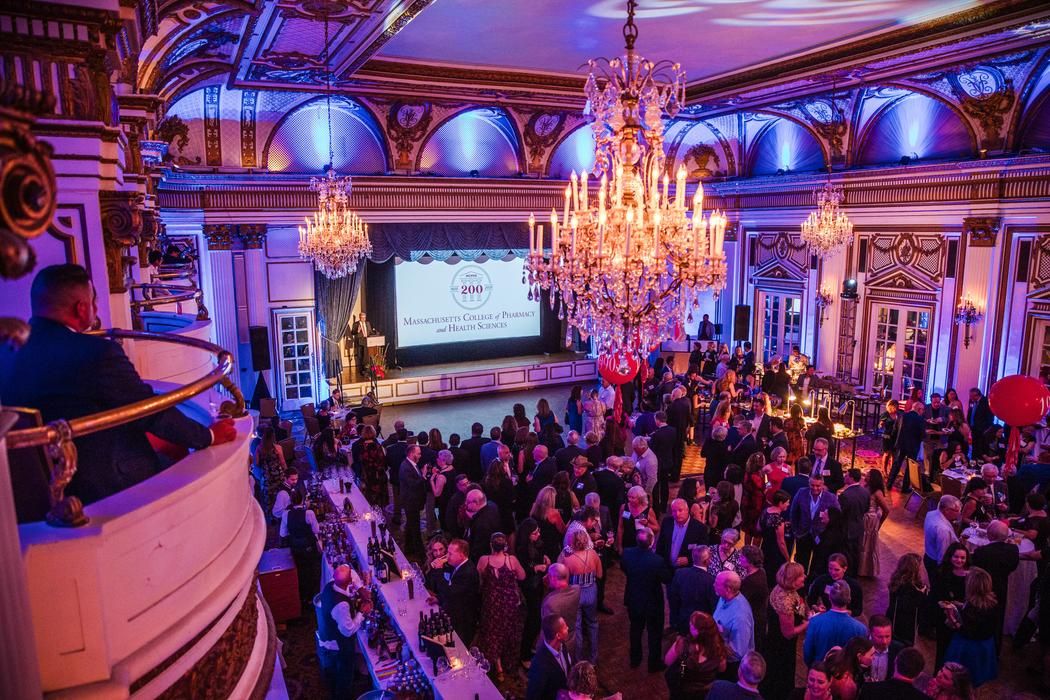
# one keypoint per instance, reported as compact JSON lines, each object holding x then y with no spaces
{"x":626,"y":259}
{"x":827,"y":230}
{"x":334,"y":238}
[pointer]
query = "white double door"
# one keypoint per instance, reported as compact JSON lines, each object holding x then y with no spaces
{"x":294,"y":331}
{"x":899,"y":349}
{"x":780,"y":323}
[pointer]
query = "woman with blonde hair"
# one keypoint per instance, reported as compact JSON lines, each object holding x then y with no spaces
{"x":723,"y":413}
{"x":975,"y":625}
{"x":952,"y":682}
{"x":552,"y":526}
{"x":594,"y":415}
{"x":787,"y":625}
{"x":727,"y":384}
{"x":585,"y":569}
{"x":635,"y":514}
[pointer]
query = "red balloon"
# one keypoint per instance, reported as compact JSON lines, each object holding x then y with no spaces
{"x":1019,"y":400}
{"x":618,"y":369}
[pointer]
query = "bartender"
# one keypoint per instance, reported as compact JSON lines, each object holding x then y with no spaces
{"x":341,"y":606}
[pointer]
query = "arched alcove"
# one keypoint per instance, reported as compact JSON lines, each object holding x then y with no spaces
{"x":299,"y":143}
{"x":575,"y":152}
{"x":785,"y":145}
{"x":1035,"y":125}
{"x":482,"y":140}
{"x":915,"y":125}
{"x":701,"y":152}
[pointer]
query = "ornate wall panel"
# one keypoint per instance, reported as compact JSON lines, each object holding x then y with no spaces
{"x":781,"y":256}
{"x":910,"y":262}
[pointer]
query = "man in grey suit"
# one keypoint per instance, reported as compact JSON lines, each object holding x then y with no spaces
{"x":563,"y":599}
{"x":413,"y":498}
{"x":854,"y":500}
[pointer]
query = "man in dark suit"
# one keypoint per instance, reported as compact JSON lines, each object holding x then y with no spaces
{"x":705,"y":330}
{"x":826,"y":465}
{"x":662,"y":443}
{"x":66,"y":374}
{"x":1000,"y":559}
{"x":979,"y":416}
{"x":643,"y":596}
{"x":483,"y":519}
{"x":451,"y":524}
{"x":854,"y":502}
{"x":680,"y":417}
{"x":473,"y":447}
{"x":749,"y":360}
{"x":543,"y":473}
{"x":679,"y":534}
{"x":359,"y":332}
{"x":413,"y":499}
{"x":610,"y":486}
{"x":691,"y":589}
{"x":806,"y":382}
{"x":777,"y":436}
{"x":809,"y":516}
{"x":549,"y":672}
{"x":908,"y":665}
{"x":880,"y":632}
{"x":460,"y":457}
{"x":395,"y":455}
{"x":746,"y":445}
{"x":909,"y":439}
{"x":794,"y":484}
{"x":760,"y":418}
{"x":454,"y":582}
{"x":583,"y":481}
{"x":566,"y":455}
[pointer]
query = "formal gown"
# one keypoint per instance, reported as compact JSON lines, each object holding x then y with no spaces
{"x":573,"y":417}
{"x":780,"y":652}
{"x":869,"y":544}
{"x":594,"y":418}
{"x":502,"y":617}
{"x":273,"y":477}
{"x":768,"y":524}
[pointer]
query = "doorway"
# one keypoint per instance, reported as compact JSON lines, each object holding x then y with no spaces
{"x":899,"y":350}
{"x":780,"y":325}
{"x":297,"y":353}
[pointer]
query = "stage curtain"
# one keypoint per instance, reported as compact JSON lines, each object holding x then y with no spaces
{"x":335,"y":299}
{"x":411,"y":241}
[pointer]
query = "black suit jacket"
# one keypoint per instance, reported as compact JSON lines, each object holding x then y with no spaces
{"x":680,"y":416}
{"x":473,"y":467}
{"x":395,"y":455}
{"x":459,"y":592}
{"x":68,"y":375}
{"x":480,"y":529}
{"x":662,"y":443}
{"x":979,"y":416}
{"x":645,"y":571}
{"x":892,"y":689}
{"x":611,"y":489}
{"x":413,"y":486}
{"x":911,"y":434}
{"x":545,"y":675}
{"x":891,"y":659}
{"x":691,"y":589}
{"x":743,"y":450}
{"x":855,"y":501}
{"x":542,"y":475}
{"x":833,"y":480}
{"x":695,"y":534}
{"x":565,"y":455}
{"x":1000,"y":559}
{"x":774,"y":441}
{"x":793,"y":484}
{"x":716,"y":457}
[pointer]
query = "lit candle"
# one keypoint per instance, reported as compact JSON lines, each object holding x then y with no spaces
{"x":554,"y":240}
{"x":572,"y":249}
{"x":583,"y":189}
{"x":532,"y":233}
{"x":575,"y":191}
{"x":679,"y":188}
{"x":699,"y":196}
{"x":565,"y":212}
{"x":554,"y":220}
{"x":667,"y":181}
{"x":539,"y":240}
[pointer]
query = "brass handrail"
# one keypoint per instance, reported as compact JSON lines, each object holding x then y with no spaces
{"x":58,"y":435}
{"x":184,"y":275}
{"x":172,"y":294}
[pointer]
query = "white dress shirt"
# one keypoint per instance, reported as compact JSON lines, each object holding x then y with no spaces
{"x":311,"y":520}
{"x":347,"y":623}
{"x":938,"y":533}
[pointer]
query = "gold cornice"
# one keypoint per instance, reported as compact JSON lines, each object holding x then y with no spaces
{"x":464,"y":75}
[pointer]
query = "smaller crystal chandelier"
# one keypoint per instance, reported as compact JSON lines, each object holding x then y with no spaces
{"x":967,"y":314}
{"x":335,"y":239}
{"x":827,"y":230}
{"x":823,"y":300}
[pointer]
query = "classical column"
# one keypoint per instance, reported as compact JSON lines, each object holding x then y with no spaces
{"x":832,"y":274}
{"x":223,"y":307}
{"x":977,"y":282}
{"x":254,"y":238}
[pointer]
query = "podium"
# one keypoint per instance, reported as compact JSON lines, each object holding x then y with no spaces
{"x":375,"y":348}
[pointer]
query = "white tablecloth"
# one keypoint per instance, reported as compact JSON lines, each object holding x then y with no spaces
{"x":395,"y":595}
{"x":1018,"y":585}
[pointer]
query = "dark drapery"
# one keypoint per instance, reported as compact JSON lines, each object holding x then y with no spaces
{"x":468,"y":240}
{"x":335,"y":299}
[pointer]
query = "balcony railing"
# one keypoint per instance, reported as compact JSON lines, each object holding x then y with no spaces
{"x":147,"y":297}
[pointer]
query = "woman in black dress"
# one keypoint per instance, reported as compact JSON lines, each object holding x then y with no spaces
{"x":694,"y":663}
{"x":949,"y":588}
{"x":529,"y":550}
{"x":499,"y":489}
{"x":908,"y":592}
{"x":723,"y":511}
{"x":772,"y":526}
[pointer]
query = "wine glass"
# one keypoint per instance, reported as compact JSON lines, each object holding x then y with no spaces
{"x":443,"y":666}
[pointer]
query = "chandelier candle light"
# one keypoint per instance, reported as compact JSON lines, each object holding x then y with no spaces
{"x":628,"y":257}
{"x":335,"y":238}
{"x":967,"y":314}
{"x":827,"y":230}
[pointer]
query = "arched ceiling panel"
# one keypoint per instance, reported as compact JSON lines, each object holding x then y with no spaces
{"x":183,"y":127}
{"x":481,"y":140}
{"x":575,"y":152}
{"x":917,"y":126}
{"x":785,"y":145}
{"x":1036,"y":126}
{"x":300,"y":142}
{"x":701,"y":152}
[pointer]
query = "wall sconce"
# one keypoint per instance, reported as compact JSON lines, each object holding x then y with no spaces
{"x":967,"y":314}
{"x":823,"y":300}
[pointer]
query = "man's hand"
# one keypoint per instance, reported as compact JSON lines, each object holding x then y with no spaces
{"x":223,"y":430}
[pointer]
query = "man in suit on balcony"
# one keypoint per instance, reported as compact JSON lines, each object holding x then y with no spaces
{"x":65,"y":374}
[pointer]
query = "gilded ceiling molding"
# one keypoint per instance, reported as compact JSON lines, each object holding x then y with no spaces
{"x":121,"y":228}
{"x":212,"y":126}
{"x":253,"y":236}
{"x":406,"y":125}
{"x":982,"y":231}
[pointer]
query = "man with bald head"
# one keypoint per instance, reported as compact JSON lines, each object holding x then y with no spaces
{"x":65,"y":374}
{"x":483,"y":519}
{"x":1000,"y":559}
{"x":643,"y":595}
{"x":679,"y":534}
{"x":562,"y":599}
{"x":543,"y":473}
{"x":735,"y":622}
{"x":340,"y":612}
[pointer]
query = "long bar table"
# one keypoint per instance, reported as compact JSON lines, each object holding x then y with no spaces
{"x":467,"y":681}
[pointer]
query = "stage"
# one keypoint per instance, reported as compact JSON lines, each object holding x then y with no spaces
{"x":443,"y":381}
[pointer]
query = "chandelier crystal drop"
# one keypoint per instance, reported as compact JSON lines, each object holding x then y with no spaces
{"x":627,"y":258}
{"x":334,"y":238}
{"x":827,"y":230}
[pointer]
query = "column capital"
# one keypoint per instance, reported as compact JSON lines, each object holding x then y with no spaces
{"x":732,"y":233}
{"x":121,"y":228}
{"x":218,"y":236}
{"x":252,"y":235}
{"x":982,"y":231}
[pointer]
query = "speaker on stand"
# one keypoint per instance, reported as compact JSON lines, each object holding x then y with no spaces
{"x":741,"y":323}
{"x":259,"y":337}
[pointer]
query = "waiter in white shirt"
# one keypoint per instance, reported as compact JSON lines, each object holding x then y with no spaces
{"x":341,"y":607}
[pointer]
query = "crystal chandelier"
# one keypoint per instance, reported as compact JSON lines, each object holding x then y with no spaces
{"x":827,"y":230}
{"x":335,"y":238}
{"x":626,"y":260}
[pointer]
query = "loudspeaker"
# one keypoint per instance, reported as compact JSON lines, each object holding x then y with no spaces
{"x":741,"y":323}
{"x":259,"y":337}
{"x":718,"y":330}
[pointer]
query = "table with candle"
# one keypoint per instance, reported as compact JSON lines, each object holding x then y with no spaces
{"x":462,"y":678}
